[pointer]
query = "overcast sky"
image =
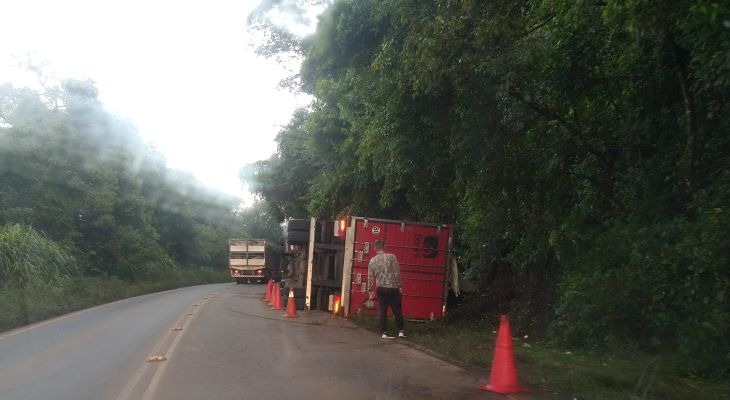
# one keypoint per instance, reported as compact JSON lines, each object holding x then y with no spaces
{"x":183,"y":71}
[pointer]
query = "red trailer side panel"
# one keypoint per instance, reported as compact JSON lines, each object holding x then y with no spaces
{"x":422,"y":251}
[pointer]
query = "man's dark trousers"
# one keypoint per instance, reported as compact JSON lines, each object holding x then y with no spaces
{"x":390,"y":297}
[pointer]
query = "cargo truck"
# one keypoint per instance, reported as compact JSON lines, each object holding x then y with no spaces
{"x":253,"y":260}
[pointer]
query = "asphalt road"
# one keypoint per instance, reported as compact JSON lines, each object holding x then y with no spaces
{"x":228,"y":345}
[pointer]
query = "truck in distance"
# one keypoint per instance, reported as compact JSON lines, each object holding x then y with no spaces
{"x":252,"y":260}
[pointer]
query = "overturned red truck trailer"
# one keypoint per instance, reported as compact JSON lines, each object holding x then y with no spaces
{"x":423,"y":252}
{"x":337,"y":264}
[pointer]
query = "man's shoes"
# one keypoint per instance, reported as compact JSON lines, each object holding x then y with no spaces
{"x":387,"y":336}
{"x":402,"y":334}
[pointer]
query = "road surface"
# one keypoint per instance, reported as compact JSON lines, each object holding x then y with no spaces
{"x":228,"y":345}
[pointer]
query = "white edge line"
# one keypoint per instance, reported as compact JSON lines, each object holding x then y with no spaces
{"x":18,"y":331}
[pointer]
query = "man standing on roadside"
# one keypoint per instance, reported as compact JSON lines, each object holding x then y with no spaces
{"x":384,"y":273}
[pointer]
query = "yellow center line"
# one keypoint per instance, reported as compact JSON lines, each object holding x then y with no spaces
{"x":159,"y":373}
{"x":156,"y":350}
{"x":132,"y":383}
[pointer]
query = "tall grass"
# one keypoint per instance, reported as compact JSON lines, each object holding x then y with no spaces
{"x":22,"y":306}
{"x":29,"y":259}
{"x":40,"y":279}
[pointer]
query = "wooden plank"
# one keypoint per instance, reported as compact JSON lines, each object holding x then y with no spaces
{"x":247,"y":249}
{"x":327,"y":283}
{"x":327,"y":246}
{"x":247,"y":261}
{"x":310,"y":261}
{"x":347,"y":267}
{"x":244,"y":241}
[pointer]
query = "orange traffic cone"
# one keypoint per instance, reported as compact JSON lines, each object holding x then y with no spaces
{"x":272,"y":292}
{"x":503,"y":378}
{"x":291,"y":305}
{"x":277,"y":299}
{"x":267,"y":296}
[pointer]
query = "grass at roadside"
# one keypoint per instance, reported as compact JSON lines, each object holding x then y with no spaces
{"x":565,"y":373}
{"x":20,"y":307}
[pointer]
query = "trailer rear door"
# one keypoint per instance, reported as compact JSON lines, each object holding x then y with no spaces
{"x":422,"y":251}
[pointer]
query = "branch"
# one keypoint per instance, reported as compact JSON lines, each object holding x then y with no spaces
{"x":691,"y":147}
{"x":539,"y":25}
{"x":551,"y":115}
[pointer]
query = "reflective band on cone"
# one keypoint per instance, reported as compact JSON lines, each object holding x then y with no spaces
{"x":272,"y":293}
{"x":291,"y":305}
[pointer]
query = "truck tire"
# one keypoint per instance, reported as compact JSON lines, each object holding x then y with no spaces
{"x":326,"y":231}
{"x":297,"y":237}
{"x":299,"y":293}
{"x":300,"y":303}
{"x":298,"y":225}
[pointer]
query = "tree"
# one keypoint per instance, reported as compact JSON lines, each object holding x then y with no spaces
{"x":579,"y":148}
{"x":86,"y":179}
{"x":259,"y":222}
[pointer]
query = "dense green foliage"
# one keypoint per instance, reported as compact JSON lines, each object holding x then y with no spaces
{"x":90,"y":214}
{"x":99,"y":201}
{"x":83,"y":176}
{"x":582,"y":149}
{"x":258,"y":221}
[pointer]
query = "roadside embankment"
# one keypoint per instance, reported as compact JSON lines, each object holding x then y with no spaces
{"x":563,"y":373}
{"x":23,"y":306}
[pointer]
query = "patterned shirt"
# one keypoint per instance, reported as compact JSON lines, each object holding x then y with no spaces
{"x":385,"y":271}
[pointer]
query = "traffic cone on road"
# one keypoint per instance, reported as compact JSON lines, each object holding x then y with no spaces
{"x":272,"y":292}
{"x":267,"y":296}
{"x":503,"y":378}
{"x":291,"y":305}
{"x":277,"y":299}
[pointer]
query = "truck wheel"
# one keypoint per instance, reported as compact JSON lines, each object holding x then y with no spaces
{"x":238,"y":281}
{"x":298,"y":225}
{"x":299,"y":293}
{"x":296,"y":237}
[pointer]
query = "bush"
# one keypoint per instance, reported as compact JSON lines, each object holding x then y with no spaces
{"x":660,"y":286}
